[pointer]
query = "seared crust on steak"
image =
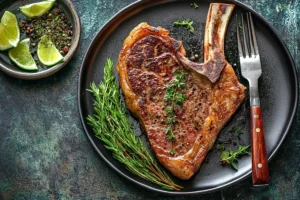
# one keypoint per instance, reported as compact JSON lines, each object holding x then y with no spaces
{"x":147,"y":61}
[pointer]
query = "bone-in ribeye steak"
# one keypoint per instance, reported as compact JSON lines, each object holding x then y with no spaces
{"x":147,"y":63}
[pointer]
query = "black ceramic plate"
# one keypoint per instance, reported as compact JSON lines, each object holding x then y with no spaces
{"x":278,"y":84}
{"x":8,"y":67}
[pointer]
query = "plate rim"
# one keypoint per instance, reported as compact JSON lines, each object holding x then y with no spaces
{"x":53,"y":69}
{"x":107,"y":25}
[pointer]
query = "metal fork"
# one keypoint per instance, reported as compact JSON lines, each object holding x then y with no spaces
{"x":251,"y":70}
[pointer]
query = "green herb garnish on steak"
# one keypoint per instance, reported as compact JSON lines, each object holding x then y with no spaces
{"x":174,"y":95}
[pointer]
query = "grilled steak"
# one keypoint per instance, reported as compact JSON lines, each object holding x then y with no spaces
{"x":181,"y":133}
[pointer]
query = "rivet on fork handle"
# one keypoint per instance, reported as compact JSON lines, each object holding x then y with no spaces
{"x":260,"y":172}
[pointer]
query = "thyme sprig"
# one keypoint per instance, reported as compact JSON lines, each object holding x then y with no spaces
{"x":174,"y":96}
{"x":187,"y":23}
{"x":231,"y":157}
{"x":111,"y":125}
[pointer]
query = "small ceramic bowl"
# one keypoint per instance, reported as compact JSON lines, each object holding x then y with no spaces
{"x":10,"y":68}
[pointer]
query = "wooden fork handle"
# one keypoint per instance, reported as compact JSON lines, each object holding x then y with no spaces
{"x":260,"y":171}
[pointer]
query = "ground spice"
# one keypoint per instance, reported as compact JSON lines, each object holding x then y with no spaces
{"x":55,"y":24}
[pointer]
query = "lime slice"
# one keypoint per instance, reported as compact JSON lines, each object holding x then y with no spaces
{"x":4,"y":42}
{"x":47,"y":52}
{"x":37,"y":9}
{"x":9,"y":31}
{"x":21,"y":55}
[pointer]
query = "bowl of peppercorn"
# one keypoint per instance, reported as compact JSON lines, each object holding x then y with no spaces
{"x":59,"y":22}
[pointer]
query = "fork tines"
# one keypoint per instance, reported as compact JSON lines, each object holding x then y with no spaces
{"x":252,"y":42}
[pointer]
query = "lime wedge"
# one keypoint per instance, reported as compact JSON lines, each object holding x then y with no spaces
{"x":4,"y":42}
{"x":37,"y":9}
{"x":21,"y":55}
{"x":47,"y":52}
{"x":9,"y":31}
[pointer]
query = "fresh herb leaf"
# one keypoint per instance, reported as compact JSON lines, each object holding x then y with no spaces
{"x":110,"y":124}
{"x":182,"y":85}
{"x":171,"y":120}
{"x":179,"y":75}
{"x":233,"y":164}
{"x":195,"y":5}
{"x":167,"y":98}
{"x":180,"y":98}
{"x":239,"y":131}
{"x":224,"y":155}
{"x":169,"y":111}
{"x":187,"y":23}
{"x":168,"y":130}
{"x":221,"y":147}
{"x":172,"y":137}
{"x":172,"y":152}
{"x":240,"y":26}
{"x":231,"y":157}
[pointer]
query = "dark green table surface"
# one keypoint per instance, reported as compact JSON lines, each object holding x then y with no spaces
{"x":45,"y":154}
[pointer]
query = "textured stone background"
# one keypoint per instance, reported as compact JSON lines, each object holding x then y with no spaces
{"x":44,"y":153}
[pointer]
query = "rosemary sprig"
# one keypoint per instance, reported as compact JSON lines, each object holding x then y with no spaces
{"x":231,"y":157}
{"x":111,"y":125}
{"x":174,"y":96}
{"x":187,"y":23}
